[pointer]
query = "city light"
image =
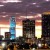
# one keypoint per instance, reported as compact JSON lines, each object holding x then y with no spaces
{"x":3,"y":44}
{"x":39,"y":45}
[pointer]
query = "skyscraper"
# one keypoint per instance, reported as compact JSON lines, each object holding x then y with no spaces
{"x":28,"y":28}
{"x":45,"y":25}
{"x":12,"y":27}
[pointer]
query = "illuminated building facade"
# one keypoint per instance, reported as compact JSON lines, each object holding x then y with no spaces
{"x":28,"y":28}
{"x":45,"y":25}
{"x":12,"y":27}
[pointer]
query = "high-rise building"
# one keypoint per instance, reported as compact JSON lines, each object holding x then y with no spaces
{"x":12,"y":27}
{"x":45,"y":25}
{"x":28,"y":28}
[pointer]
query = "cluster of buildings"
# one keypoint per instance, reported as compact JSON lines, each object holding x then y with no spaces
{"x":29,"y":28}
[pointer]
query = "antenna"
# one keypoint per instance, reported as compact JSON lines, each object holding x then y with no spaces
{"x":26,"y":13}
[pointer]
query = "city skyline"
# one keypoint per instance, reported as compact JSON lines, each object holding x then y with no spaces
{"x":21,"y":9}
{"x":5,"y":26}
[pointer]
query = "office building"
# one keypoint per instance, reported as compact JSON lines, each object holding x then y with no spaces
{"x":45,"y":25}
{"x":28,"y":28}
{"x":12,"y":27}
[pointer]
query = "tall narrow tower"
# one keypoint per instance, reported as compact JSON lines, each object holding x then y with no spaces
{"x":12,"y":27}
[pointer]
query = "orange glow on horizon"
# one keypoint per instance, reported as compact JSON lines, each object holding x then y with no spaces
{"x":38,"y":31}
{"x":38,"y":28}
{"x":5,"y":27}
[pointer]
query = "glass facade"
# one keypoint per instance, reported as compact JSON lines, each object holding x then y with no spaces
{"x":12,"y":27}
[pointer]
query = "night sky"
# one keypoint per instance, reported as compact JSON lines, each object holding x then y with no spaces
{"x":22,"y":9}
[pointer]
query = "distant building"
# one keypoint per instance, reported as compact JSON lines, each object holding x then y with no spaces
{"x":45,"y":25}
{"x":12,"y":27}
{"x":28,"y":28}
{"x":7,"y":35}
{"x":1,"y":36}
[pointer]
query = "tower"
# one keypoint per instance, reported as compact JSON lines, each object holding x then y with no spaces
{"x":28,"y":28}
{"x":12,"y":27}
